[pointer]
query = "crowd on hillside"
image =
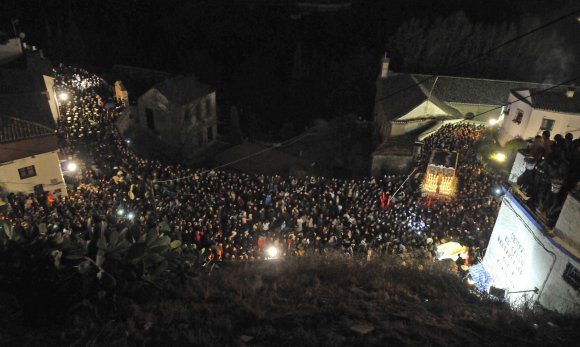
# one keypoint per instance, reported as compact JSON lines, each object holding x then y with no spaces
{"x":237,"y":215}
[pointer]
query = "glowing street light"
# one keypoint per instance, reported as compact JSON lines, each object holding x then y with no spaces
{"x":120,"y":212}
{"x":72,"y":166}
{"x":499,"y":156}
{"x":131,"y":215}
{"x":272,"y":252}
{"x":493,"y":121}
{"x":63,"y":96}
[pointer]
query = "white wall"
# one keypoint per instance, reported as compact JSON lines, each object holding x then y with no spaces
{"x":48,"y":173}
{"x":518,"y":168}
{"x":508,"y":129}
{"x":181,"y":126}
{"x":568,"y":221}
{"x":520,"y":257}
{"x":49,"y":83}
{"x":564,"y":123}
{"x":425,"y":109}
{"x":532,"y":121}
{"x":483,"y":112}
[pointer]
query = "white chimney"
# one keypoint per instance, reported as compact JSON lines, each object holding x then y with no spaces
{"x":385,"y":67}
{"x":570,"y":91}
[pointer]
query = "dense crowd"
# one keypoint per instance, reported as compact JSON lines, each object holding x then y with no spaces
{"x":238,"y":215}
{"x":552,"y":170}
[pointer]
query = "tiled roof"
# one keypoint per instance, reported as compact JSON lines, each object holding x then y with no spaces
{"x":556,"y":100}
{"x":137,"y":80}
{"x":23,"y":95}
{"x":183,"y":89}
{"x":401,"y":103}
{"x":443,"y":91}
{"x":13,"y":129}
{"x":476,"y":90}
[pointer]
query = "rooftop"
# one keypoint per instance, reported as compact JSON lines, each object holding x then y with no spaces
{"x":556,"y":100}
{"x":137,"y":80}
{"x":443,"y":91}
{"x":13,"y":129}
{"x":183,"y":89}
{"x":23,"y":95}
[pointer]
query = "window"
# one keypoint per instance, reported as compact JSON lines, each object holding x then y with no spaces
{"x":572,"y":276}
{"x":26,"y":172}
{"x":150,"y":118}
{"x":209,"y":134}
{"x":519,"y":117}
{"x":547,"y":124}
{"x":208,"y":107}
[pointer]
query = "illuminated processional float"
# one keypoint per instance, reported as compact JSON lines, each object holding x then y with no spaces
{"x":440,"y":180}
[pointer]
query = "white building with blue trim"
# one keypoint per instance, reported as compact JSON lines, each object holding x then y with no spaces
{"x":527,"y":262}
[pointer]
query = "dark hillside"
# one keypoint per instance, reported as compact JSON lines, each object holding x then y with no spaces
{"x":310,"y":301}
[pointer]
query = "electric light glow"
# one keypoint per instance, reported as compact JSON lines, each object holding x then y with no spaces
{"x":499,"y":156}
{"x":272,"y":252}
{"x":63,"y":96}
{"x":72,"y":166}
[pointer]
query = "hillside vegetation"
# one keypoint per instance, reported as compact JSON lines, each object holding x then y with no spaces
{"x":323,"y":301}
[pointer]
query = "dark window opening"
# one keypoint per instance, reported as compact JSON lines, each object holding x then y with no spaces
{"x":39,"y":190}
{"x":27,"y":172}
{"x":150,"y":118}
{"x":547,"y":124}
{"x":519,"y":117}
{"x":208,"y":107}
{"x":572,"y":276}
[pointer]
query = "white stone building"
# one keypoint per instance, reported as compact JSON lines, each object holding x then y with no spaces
{"x":29,"y":158}
{"x":533,"y":111}
{"x":408,"y":104}
{"x":182,"y":112}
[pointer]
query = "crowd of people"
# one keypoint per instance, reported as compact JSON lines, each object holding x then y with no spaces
{"x":238,"y":215}
{"x":552,"y":170}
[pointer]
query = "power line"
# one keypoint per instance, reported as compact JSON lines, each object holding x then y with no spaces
{"x":493,"y":49}
{"x":283,"y":144}
{"x":531,"y":95}
{"x":300,"y":137}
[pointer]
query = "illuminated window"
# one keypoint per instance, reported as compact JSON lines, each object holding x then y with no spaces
{"x":519,"y":117}
{"x":547,"y":124}
{"x":572,"y":276}
{"x":27,"y":172}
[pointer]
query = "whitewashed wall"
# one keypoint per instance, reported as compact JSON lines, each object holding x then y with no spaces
{"x":48,"y":173}
{"x":520,"y":257}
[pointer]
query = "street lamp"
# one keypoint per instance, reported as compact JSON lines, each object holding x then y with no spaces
{"x":63,"y":96}
{"x":71,"y":166}
{"x":272,"y":252}
{"x":499,"y":156}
